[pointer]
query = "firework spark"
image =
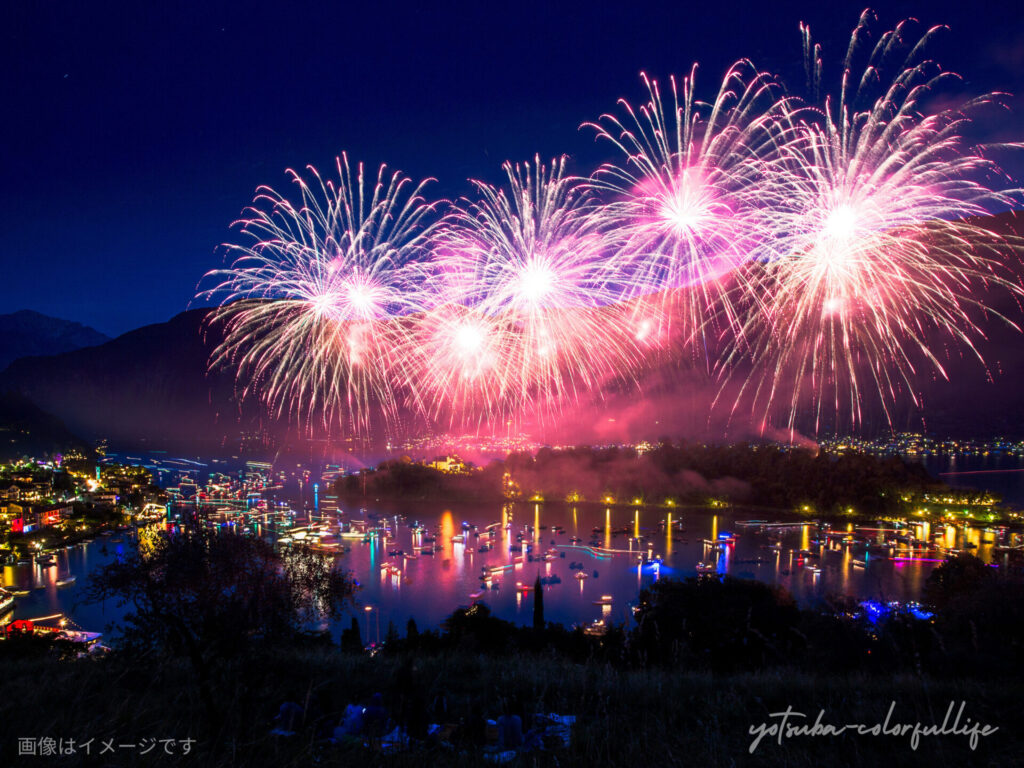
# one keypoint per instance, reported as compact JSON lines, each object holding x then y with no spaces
{"x":878,"y":243}
{"x":314,"y":306}
{"x":684,"y":212}
{"x":526,"y":314}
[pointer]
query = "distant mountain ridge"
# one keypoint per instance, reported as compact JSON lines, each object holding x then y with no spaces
{"x":26,"y":333}
{"x":27,"y":431}
{"x":150,"y":384}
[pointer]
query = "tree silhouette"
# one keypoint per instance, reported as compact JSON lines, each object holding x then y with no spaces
{"x":206,"y":595}
{"x":538,"y":605}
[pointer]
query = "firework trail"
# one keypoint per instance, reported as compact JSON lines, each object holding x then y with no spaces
{"x":527,"y":310}
{"x":315,"y":305}
{"x":878,"y":246}
{"x":685,"y":210}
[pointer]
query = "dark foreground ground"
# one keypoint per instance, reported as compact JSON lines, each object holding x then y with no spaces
{"x":629,"y":718}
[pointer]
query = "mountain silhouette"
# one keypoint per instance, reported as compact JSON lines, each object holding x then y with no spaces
{"x":25,"y":430}
{"x":27,"y":333}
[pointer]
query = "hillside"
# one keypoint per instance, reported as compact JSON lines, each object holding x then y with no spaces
{"x":25,"y":430}
{"x":149,"y":385}
{"x":27,"y":333}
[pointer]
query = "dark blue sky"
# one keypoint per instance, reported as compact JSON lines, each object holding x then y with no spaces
{"x":134,"y":133}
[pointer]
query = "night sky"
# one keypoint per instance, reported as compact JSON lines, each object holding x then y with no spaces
{"x":134,"y":133}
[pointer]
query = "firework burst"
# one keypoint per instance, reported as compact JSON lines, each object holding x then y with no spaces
{"x":878,"y":243}
{"x":525,"y":314}
{"x":315,"y":305}
{"x":684,"y":209}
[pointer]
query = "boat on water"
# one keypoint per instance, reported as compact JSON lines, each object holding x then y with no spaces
{"x":596,"y":628}
{"x":605,"y":600}
{"x":67,"y":580}
{"x":83,"y":638}
{"x":20,"y":592}
{"x":6,"y":601}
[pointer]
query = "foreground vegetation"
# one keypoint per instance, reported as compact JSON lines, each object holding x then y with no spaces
{"x":624,"y":716}
{"x":211,"y":650}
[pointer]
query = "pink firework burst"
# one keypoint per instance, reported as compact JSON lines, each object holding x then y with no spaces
{"x":684,"y":201}
{"x":880,"y":243}
{"x":525,"y":313}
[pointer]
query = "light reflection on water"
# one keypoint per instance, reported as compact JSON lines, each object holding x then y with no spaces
{"x":429,"y":587}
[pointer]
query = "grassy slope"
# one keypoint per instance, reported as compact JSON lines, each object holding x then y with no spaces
{"x":625,"y":718}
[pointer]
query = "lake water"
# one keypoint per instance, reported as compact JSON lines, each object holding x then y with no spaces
{"x":46,"y":599}
{"x":430,"y":587}
{"x":1001,"y":473}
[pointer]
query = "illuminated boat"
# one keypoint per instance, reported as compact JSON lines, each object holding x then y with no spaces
{"x":596,"y":629}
